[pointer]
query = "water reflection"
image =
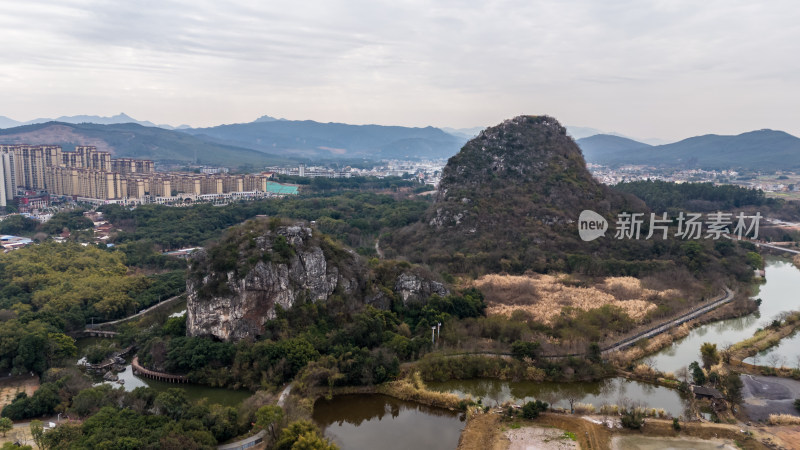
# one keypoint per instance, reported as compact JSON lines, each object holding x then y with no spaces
{"x":194,"y":392}
{"x":610,"y":391}
{"x":377,"y":421}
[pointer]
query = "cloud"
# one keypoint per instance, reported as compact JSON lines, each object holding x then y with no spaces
{"x":661,"y":68}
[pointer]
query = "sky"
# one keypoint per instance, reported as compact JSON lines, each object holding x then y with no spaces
{"x":667,"y":69}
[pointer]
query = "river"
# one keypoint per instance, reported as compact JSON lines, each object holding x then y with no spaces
{"x":611,"y":391}
{"x":777,"y":295}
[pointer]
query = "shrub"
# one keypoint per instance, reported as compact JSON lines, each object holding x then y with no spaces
{"x":633,"y":419}
{"x":531,"y":410}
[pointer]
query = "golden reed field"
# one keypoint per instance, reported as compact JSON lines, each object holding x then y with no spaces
{"x":543,"y":296}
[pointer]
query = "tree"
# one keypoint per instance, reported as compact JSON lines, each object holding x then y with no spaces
{"x":172,"y":403}
{"x":270,"y":417}
{"x":709,"y":355}
{"x":37,"y":432}
{"x":313,"y":441}
{"x":60,"y":346}
{"x":682,"y":374}
{"x":522,"y":349}
{"x":292,"y":433}
{"x":6,"y":425}
{"x":595,"y":354}
{"x":698,"y":376}
{"x":733,"y":388}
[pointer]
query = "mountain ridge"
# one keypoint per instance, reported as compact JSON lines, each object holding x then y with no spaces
{"x":763,"y":149}
{"x":137,"y":141}
{"x":308,"y":138}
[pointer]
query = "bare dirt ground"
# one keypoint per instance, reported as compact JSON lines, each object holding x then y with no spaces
{"x":769,"y":395}
{"x":539,"y":438}
{"x":790,"y":436}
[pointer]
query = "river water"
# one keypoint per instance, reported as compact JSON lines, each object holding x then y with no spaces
{"x":379,"y":422}
{"x":611,"y":391}
{"x":778,"y":294}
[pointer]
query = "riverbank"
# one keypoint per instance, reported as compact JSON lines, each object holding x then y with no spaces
{"x":763,"y":340}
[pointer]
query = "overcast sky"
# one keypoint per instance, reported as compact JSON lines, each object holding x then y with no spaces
{"x":667,"y":69}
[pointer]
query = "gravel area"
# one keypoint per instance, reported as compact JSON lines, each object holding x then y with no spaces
{"x":769,"y":395}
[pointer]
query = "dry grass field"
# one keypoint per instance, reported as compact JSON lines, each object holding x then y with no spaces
{"x":10,"y":387}
{"x":544,"y":296}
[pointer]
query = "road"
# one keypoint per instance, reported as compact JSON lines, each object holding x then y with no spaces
{"x":727,"y":297}
{"x":140,"y":313}
{"x":284,"y":395}
{"x":776,"y":247}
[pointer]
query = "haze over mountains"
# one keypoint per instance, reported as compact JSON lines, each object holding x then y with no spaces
{"x":6,"y":122}
{"x":136,"y":141}
{"x":754,"y":150}
{"x":307,"y":138}
{"x":269,"y":140}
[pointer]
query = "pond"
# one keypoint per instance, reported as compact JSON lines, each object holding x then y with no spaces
{"x":379,"y":422}
{"x":777,"y":295}
{"x":611,"y":391}
{"x":194,"y":392}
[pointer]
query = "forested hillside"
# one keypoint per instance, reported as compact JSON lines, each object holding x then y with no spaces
{"x":50,"y":289}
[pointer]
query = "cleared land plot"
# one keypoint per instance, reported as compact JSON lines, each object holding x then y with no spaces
{"x":539,"y":438}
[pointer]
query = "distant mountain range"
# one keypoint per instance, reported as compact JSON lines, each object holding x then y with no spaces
{"x":137,"y":141}
{"x":755,"y":150}
{"x":310,"y":139}
{"x":6,"y":122}
{"x":271,"y":140}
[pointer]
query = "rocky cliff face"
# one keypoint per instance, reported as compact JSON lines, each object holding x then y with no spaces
{"x":286,"y":265}
{"x":234,"y":287}
{"x":412,"y":287}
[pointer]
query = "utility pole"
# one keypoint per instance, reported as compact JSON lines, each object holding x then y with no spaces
{"x":438,"y":328}
{"x":433,"y":333}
